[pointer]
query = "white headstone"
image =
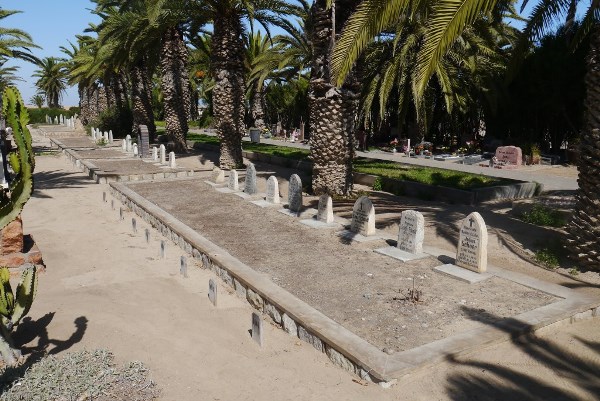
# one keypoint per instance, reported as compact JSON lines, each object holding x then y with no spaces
{"x":257,"y":329}
{"x":218,"y":176}
{"x":93,"y":131}
{"x":233,"y":180}
{"x":212,"y":291}
{"x":295,"y":193}
{"x":472,"y":244}
{"x":154,"y":153}
{"x":363,"y":217}
{"x":105,"y":136}
{"x":325,"y":212}
{"x":163,"y":154}
{"x":124,"y":145}
{"x":172,"y":163}
{"x":135,"y":149}
{"x":411,"y":232}
{"x":272,"y":190}
{"x":110,"y":136}
{"x":56,"y":120}
{"x":128,"y":141}
{"x":163,"y":249}
{"x":250,"y":183}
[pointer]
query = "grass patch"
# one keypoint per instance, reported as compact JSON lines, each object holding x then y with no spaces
{"x":541,"y":215}
{"x":548,"y":258}
{"x":273,"y":150}
{"x":426,"y":175}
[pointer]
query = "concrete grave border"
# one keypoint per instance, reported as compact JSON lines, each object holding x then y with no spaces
{"x":343,"y":347}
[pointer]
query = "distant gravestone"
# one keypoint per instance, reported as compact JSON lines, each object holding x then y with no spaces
{"x":93,"y":132}
{"x":147,"y":235}
{"x":135,"y":149}
{"x":163,"y":154}
{"x":105,"y":137}
{"x":272,"y":190}
{"x":411,"y":232}
{"x":163,"y":249}
{"x":144,"y":141}
{"x":134,"y":224}
{"x":295,"y":193}
{"x":103,"y":196}
{"x":218,"y":176}
{"x":233,"y":180}
{"x":124,"y":145}
{"x":363,"y":217}
{"x":325,"y":211}
{"x":212,"y":291}
{"x":112,"y":204}
{"x":128,"y":142}
{"x":110,"y":137}
{"x":472,"y":244}
{"x":509,"y":155}
{"x":257,"y":329}
{"x":155,"y":153}
{"x":250,"y":183}
{"x":183,"y":266}
{"x":121,"y":214}
{"x":172,"y":162}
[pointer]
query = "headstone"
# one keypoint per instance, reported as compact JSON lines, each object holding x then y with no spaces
{"x":233,"y":180}
{"x":363,"y":217}
{"x":155,"y":153}
{"x":325,"y":211}
{"x":472,"y":244}
{"x":112,"y":204}
{"x":272,"y":190}
{"x":163,"y":154}
{"x":183,"y":266}
{"x":509,"y":155}
{"x":124,"y":145}
{"x":135,"y":149}
{"x":250,"y":183}
{"x":55,"y":120}
{"x":103,"y":196}
{"x":172,"y":163}
{"x":147,"y":235}
{"x":144,"y":141}
{"x":105,"y":136}
{"x":110,"y":137}
{"x":121,"y":213}
{"x":93,"y":132}
{"x":411,"y":232}
{"x":163,"y":249}
{"x":218,"y":176}
{"x":295,"y":193}
{"x":257,"y":332}
{"x":212,"y":291}
{"x":134,"y":225}
{"x":129,"y":144}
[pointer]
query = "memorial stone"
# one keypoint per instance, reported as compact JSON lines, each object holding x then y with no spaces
{"x":134,"y":225}
{"x":472,"y":244}
{"x":233,"y":180}
{"x":172,"y":163}
{"x":183,"y":266}
{"x":155,"y":153}
{"x":272,"y":190}
{"x":124,"y":145}
{"x":147,"y":235}
{"x":135,"y":149}
{"x":257,"y":332}
{"x":250,"y":183}
{"x":363,"y":217}
{"x":212,"y":291}
{"x":128,"y":141}
{"x":411,"y":232}
{"x":295,"y":193}
{"x":325,"y":211}
{"x":144,"y":141}
{"x":509,"y":155}
{"x":218,"y":176}
{"x":110,"y":137}
{"x":163,"y":154}
{"x":163,"y":249}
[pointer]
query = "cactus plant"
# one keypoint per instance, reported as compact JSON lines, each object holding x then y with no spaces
{"x":13,"y":307}
{"x":22,"y":160}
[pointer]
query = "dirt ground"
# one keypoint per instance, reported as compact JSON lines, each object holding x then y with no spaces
{"x":105,"y":287}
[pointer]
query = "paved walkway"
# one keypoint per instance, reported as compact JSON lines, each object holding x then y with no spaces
{"x":553,"y":178}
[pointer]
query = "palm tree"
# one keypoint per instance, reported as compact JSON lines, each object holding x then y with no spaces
{"x":15,"y":43}
{"x":52,"y":80}
{"x":7,"y":74}
{"x":38,"y":100}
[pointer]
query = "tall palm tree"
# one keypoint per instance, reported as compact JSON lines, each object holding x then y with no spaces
{"x":15,"y":43}
{"x":52,"y":80}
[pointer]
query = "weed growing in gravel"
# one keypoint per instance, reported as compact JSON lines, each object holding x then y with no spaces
{"x":547,"y":257}
{"x":541,"y":215}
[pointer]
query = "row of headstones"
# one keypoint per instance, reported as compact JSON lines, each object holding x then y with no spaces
{"x":69,"y":122}
{"x":97,"y":135}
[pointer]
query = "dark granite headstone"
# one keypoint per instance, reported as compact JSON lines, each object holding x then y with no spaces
{"x":143,"y":142}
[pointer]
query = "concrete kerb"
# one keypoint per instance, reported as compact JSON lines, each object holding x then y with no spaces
{"x":343,"y":347}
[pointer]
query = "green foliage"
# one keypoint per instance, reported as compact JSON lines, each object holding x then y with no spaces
{"x":119,"y":120}
{"x":547,"y":257}
{"x":377,"y":184}
{"x":22,"y":159}
{"x":287,"y":102}
{"x":38,"y":116}
{"x":541,"y":215}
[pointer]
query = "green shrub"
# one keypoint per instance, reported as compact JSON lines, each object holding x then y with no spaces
{"x":119,"y":121}
{"x":541,"y":215}
{"x":547,"y":257}
{"x":378,"y":184}
{"x":38,"y":116}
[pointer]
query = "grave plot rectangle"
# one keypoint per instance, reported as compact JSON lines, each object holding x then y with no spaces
{"x":212,"y":291}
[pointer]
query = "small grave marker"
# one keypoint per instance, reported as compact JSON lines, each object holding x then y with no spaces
{"x":121,"y":213}
{"x":154,"y":153}
{"x":472,"y":244}
{"x":295,"y":193}
{"x":250,"y":184}
{"x":183,"y":266}
{"x":172,"y":163}
{"x":124,"y":145}
{"x":163,"y":154}
{"x":212,"y":291}
{"x":233,"y":180}
{"x":163,"y":249}
{"x":218,"y":176}
{"x":112,"y":204}
{"x":110,"y":137}
{"x":325,"y":212}
{"x":411,"y":232}
{"x":363,"y":217}
{"x":257,"y":332}
{"x":135,"y":149}
{"x":134,"y":225}
{"x":272,"y":190}
{"x":103,"y":196}
{"x":147,"y":235}
{"x":144,"y":141}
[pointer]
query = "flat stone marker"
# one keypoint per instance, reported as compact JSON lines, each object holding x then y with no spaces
{"x":462,"y":274}
{"x":134,"y":225}
{"x":472,"y":244}
{"x":172,"y":163}
{"x":325,"y":211}
{"x":233,"y":183}
{"x":250,"y":183}
{"x":155,"y":153}
{"x":272,"y":190}
{"x":183,"y":266}
{"x":295,"y":193}
{"x":411,"y":232}
{"x":163,"y":249}
{"x":147,"y":235}
{"x":218,"y":176}
{"x":212,"y":291}
{"x":257,"y":332}
{"x":163,"y":154}
{"x":510,"y":155}
{"x":363,"y":217}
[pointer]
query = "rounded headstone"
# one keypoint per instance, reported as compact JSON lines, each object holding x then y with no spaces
{"x":363,"y":217}
{"x":233,"y":180}
{"x":325,"y":212}
{"x":250,"y":183}
{"x":295,"y":193}
{"x":472,"y":244}
{"x":272,"y":190}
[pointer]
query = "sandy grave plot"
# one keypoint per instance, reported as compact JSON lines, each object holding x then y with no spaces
{"x":108,"y":153}
{"x":82,"y":142}
{"x":127,"y":167}
{"x":364,"y":291}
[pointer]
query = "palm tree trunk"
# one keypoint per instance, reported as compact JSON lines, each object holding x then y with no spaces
{"x":256,"y":107}
{"x":584,"y":230}
{"x":228,"y":92}
{"x":332,"y":109}
{"x":141,"y":99}
{"x":174,"y":76}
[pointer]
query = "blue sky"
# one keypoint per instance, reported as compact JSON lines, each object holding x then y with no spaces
{"x":52,"y":23}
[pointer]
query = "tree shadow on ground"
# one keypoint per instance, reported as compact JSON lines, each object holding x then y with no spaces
{"x":496,"y":382}
{"x":45,"y":180}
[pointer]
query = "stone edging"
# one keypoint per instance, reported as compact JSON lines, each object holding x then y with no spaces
{"x":343,"y":347}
